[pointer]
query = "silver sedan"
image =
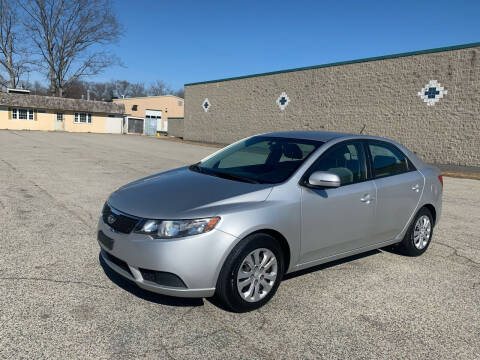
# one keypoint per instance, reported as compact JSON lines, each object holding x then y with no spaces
{"x":235,"y":223}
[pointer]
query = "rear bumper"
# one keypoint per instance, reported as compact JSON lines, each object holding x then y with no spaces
{"x":196,"y":260}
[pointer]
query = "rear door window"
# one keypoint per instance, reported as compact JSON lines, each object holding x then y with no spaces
{"x":387,"y":160}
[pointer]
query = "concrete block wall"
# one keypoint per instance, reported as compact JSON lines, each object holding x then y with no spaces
{"x":175,"y":127}
{"x":378,"y":95}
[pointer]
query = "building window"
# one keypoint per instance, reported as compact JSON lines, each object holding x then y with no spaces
{"x":180,"y":103}
{"x":134,"y":107}
{"x":82,"y":118}
{"x":59,"y":116}
{"x":22,"y":114}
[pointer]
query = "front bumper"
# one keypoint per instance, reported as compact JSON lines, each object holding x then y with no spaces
{"x":196,"y":260}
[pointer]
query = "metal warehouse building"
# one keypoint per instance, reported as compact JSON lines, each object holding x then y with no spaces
{"x":22,"y":111}
{"x":428,"y":100}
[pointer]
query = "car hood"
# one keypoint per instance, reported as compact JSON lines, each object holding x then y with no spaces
{"x":183,"y":194}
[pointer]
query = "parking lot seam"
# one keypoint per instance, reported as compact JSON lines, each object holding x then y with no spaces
{"x":14,"y":278}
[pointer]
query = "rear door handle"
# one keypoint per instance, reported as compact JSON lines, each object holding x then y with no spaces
{"x":416,"y":188}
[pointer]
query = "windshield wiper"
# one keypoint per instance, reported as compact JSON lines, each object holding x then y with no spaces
{"x":235,"y":177}
{"x":195,"y":167}
{"x":223,"y":175}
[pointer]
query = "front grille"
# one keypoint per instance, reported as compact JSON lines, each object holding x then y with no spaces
{"x":120,"y":263}
{"x":162,"y":278}
{"x":122,"y":223}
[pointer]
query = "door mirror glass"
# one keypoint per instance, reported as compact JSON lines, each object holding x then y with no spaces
{"x":322,"y":179}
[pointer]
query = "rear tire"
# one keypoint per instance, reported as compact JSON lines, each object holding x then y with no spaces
{"x":251,"y":273}
{"x":419,"y":234}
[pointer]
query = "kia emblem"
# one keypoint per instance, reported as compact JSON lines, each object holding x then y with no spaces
{"x":111,"y":219}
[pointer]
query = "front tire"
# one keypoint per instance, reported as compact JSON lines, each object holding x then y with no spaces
{"x":419,"y":235}
{"x":251,"y":273}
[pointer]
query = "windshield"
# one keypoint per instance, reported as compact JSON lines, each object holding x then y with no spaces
{"x":259,"y":159}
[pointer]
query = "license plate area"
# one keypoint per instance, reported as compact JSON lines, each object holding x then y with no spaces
{"x":105,"y":240}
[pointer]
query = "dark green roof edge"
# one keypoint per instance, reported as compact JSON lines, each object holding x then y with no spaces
{"x":375,"y":58}
{"x":175,"y":117}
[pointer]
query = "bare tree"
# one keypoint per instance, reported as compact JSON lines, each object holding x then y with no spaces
{"x":122,"y":88}
{"x":137,"y":90}
{"x":77,"y":89}
{"x":180,"y":93}
{"x":13,"y":57}
{"x":158,"y":88}
{"x":67,"y":34}
{"x":102,"y":90}
{"x":38,"y":89}
{"x":3,"y":82}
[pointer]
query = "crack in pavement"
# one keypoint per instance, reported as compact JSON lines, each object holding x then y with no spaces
{"x":455,"y":253}
{"x":163,"y":348}
{"x":44,"y":191}
{"x":168,"y":349}
{"x":195,"y":339}
{"x":136,"y":354}
{"x":223,"y":325}
{"x":14,"y":278}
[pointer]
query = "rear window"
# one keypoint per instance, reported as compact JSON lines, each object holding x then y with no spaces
{"x":387,"y":160}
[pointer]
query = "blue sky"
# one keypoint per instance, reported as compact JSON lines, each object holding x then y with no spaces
{"x":189,"y":41}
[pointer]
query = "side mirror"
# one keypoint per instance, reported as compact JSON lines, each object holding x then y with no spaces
{"x":322,"y":179}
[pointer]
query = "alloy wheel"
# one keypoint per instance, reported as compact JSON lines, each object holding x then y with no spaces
{"x":257,"y":275}
{"x":422,"y":232}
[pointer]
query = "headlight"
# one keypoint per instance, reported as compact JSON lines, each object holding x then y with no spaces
{"x":167,"y":229}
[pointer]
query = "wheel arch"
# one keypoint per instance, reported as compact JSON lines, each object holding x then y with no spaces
{"x":432,"y":210}
{"x":281,"y":240}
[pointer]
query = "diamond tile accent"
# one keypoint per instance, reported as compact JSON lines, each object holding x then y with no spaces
{"x":206,"y":105}
{"x":283,"y":101}
{"x":432,"y":92}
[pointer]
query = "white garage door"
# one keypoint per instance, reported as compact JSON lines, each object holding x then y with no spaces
{"x":114,"y":125}
{"x":156,"y":114}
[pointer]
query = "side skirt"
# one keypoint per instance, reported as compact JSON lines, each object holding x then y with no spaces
{"x":343,"y":255}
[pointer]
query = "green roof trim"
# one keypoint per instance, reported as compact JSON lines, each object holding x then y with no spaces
{"x":348,"y":62}
{"x":175,"y":117}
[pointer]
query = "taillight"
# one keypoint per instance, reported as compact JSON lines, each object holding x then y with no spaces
{"x":440,"y":178}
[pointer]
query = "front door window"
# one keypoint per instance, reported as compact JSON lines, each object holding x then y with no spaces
{"x":347,"y":160}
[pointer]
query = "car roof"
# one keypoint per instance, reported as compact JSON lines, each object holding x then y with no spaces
{"x":323,"y":136}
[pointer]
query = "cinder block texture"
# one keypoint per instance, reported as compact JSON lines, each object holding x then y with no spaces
{"x":380,"y":96}
{"x":175,"y":127}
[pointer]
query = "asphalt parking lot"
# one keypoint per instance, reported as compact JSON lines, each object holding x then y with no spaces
{"x":58,"y":301}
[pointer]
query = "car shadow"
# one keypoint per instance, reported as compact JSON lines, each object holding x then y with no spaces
{"x":132,"y":288}
{"x":393,"y":249}
{"x":330,"y":264}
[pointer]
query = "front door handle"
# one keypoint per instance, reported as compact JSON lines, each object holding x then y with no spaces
{"x":367,"y":199}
